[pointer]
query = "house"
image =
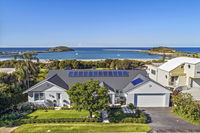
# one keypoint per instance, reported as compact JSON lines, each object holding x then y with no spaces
{"x":181,"y":73}
{"x":129,"y":86}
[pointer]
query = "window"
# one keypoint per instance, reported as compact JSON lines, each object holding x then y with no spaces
{"x":153,"y":72}
{"x":189,"y":66}
{"x":198,"y":72}
{"x":166,"y":76}
{"x":38,"y":96}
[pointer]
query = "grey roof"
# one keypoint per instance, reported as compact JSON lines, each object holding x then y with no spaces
{"x":130,"y":86}
{"x":55,"y":79}
{"x":116,"y":83}
{"x":107,"y":86}
{"x":145,"y":79}
{"x":58,"y":81}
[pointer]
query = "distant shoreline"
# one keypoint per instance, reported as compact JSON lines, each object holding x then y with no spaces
{"x":49,"y":60}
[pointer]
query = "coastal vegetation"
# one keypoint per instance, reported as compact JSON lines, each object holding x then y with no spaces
{"x":60,"y":49}
{"x":82,"y":127}
{"x":186,"y":107}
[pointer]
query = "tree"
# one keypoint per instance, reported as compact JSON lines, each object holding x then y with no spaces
{"x":88,"y":96}
{"x":26,"y":69}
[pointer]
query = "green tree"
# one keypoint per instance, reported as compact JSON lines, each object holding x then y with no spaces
{"x":26,"y":69}
{"x":88,"y":96}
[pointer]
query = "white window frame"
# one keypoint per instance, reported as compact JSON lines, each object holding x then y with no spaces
{"x":39,"y":96}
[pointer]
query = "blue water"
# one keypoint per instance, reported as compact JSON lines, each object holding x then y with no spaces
{"x":95,"y":53}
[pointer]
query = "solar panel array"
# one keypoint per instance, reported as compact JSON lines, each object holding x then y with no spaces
{"x":137,"y":81}
{"x":110,"y":73}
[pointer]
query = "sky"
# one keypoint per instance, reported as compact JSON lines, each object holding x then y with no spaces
{"x":99,"y":23}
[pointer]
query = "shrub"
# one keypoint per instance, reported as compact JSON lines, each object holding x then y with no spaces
{"x":187,"y":108}
{"x":131,"y":106}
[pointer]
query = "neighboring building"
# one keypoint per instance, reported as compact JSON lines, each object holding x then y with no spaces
{"x":7,"y":70}
{"x":180,"y":71}
{"x":129,"y":86}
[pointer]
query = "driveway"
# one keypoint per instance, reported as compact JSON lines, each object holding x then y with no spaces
{"x":163,"y":118}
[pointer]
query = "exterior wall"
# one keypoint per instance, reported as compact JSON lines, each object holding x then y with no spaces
{"x":181,"y":80}
{"x":150,"y":71}
{"x":50,"y":96}
{"x":195,"y":82}
{"x":148,"y":88}
{"x":130,"y":98}
{"x":197,"y":71}
{"x":163,"y":77}
{"x":189,"y":70}
{"x":179,"y":71}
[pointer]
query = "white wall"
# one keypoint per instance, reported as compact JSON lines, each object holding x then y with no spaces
{"x":163,"y":77}
{"x":151,"y":75}
{"x":197,"y":71}
{"x":148,"y":88}
{"x":50,"y":94}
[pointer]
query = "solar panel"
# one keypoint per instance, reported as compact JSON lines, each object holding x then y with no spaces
{"x":125,"y":73}
{"x":71,"y":74}
{"x":115,"y":73}
{"x":105,"y":74}
{"x":137,"y":81}
{"x":96,"y":73}
{"x":85,"y":74}
{"x":75,"y":73}
{"x":80,"y":74}
{"x":110,"y":73}
{"x":120,"y":73}
{"x":90,"y":74}
{"x":100,"y":74}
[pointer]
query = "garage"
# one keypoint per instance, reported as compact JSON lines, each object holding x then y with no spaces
{"x":147,"y":93}
{"x":149,"y":100}
{"x":195,"y":82}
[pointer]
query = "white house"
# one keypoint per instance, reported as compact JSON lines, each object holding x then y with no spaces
{"x":180,"y":73}
{"x":133,"y":85}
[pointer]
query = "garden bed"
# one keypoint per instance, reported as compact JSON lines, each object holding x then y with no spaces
{"x":116,"y":115}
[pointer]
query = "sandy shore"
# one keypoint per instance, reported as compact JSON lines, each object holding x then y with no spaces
{"x":50,"y":60}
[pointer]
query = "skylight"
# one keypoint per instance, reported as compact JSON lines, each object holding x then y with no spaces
{"x":137,"y":81}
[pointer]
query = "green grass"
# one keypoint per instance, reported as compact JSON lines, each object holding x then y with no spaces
{"x":81,"y":128}
{"x":53,"y":114}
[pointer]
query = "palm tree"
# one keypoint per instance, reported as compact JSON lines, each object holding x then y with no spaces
{"x":26,"y":68}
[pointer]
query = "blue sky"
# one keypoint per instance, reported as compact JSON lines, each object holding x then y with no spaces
{"x":101,"y":23}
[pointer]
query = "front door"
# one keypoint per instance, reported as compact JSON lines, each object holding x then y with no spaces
{"x":58,"y":99}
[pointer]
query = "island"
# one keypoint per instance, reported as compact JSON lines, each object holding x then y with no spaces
{"x":54,"y":49}
{"x":60,"y":49}
{"x":163,"y":51}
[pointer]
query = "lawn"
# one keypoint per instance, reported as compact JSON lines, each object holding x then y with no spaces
{"x":54,"y":114}
{"x":81,"y":128}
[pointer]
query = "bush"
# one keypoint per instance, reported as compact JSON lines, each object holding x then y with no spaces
{"x":185,"y":107}
{"x":116,"y":116}
{"x":44,"y":108}
{"x":131,"y":106}
{"x":59,"y":120}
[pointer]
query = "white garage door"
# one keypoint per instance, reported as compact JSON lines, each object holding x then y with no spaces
{"x":196,"y":83}
{"x":150,"y":100}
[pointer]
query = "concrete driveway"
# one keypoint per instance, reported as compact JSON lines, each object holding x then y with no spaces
{"x":163,"y":118}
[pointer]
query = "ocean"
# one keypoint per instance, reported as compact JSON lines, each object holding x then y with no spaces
{"x":93,"y":53}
